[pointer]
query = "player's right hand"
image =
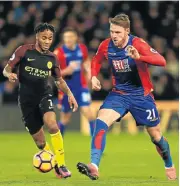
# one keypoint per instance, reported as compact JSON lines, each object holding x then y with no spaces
{"x":96,"y":85}
{"x":12,"y":77}
{"x":72,"y":102}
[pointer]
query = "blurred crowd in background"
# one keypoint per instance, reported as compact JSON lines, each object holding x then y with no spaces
{"x":155,"y":22}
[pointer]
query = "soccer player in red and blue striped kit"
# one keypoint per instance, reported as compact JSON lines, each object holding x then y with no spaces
{"x":75,"y":69}
{"x":129,"y":57}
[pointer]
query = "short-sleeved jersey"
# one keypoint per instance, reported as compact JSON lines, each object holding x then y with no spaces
{"x":65,"y":56}
{"x":129,"y":76}
{"x":34,"y":68}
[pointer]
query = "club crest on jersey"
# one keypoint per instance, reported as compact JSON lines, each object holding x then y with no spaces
{"x":121,"y":65}
{"x":129,"y":46}
{"x":49,"y":64}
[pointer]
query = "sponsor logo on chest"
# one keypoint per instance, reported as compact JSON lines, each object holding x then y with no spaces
{"x":121,"y":65}
{"x":33,"y":68}
{"x":37,"y":72}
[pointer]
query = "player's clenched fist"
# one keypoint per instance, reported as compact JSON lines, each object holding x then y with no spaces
{"x":12,"y":77}
{"x":132,"y":52}
{"x":96,"y":85}
{"x":72,"y":102}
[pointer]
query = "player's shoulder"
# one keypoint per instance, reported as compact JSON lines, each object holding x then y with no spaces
{"x":28,"y":46}
{"x":136,"y":39}
{"x":106,"y":41}
{"x":22,"y":49}
{"x":82,"y":45}
{"x":25,"y":47}
{"x":138,"y":42}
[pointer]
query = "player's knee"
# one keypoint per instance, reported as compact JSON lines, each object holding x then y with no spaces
{"x":90,"y":117}
{"x":53,"y":128}
{"x":106,"y":120}
{"x":108,"y":116}
{"x":50,"y":121}
{"x":65,"y":120}
{"x":52,"y":125}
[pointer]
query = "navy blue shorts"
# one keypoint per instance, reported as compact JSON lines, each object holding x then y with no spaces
{"x":142,"y":108}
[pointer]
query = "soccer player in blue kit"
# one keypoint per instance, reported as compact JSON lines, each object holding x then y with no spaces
{"x":129,"y":57}
{"x":75,"y":69}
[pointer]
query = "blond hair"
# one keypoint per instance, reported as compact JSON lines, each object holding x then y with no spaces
{"x":120,"y":20}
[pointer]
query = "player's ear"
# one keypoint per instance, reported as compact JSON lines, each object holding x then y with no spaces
{"x":127,"y":30}
{"x":36,"y":36}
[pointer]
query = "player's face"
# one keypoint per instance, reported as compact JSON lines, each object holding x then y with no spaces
{"x":45,"y":39}
{"x":118,"y":34}
{"x":70,"y":39}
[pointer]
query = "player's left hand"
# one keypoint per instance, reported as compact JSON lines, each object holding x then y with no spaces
{"x":72,"y":102}
{"x":12,"y":77}
{"x":132,"y":52}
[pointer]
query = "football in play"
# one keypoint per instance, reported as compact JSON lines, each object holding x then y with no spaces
{"x":44,"y":161}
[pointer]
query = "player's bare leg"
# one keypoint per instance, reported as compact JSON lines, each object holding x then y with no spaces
{"x":162,"y":147}
{"x":106,"y":117}
{"x":86,"y":111}
{"x":57,"y":143}
{"x":39,"y":139}
{"x":65,"y":118}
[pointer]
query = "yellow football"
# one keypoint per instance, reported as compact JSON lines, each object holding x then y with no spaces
{"x":44,"y":161}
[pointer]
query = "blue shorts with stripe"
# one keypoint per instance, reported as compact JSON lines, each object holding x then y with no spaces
{"x":142,"y":108}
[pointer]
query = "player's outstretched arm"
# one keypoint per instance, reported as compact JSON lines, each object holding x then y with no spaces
{"x":61,"y":84}
{"x":7,"y":72}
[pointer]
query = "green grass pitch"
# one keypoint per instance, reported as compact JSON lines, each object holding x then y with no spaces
{"x":128,"y":161}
